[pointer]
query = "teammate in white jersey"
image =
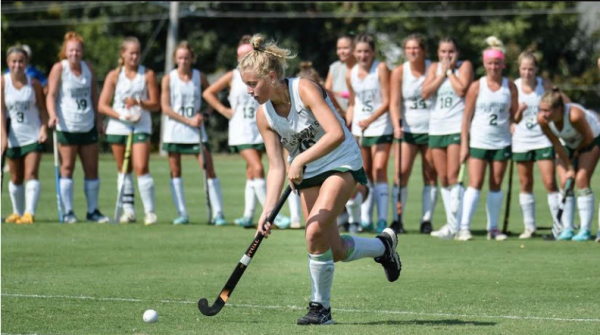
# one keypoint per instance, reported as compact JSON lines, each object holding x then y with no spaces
{"x":412,"y":127}
{"x":133,"y":90}
{"x":490,"y":106}
{"x":529,"y":145}
{"x":336,"y":77}
{"x":72,"y":103}
{"x":325,"y":165}
{"x":244,"y":137}
{"x":579,"y":129}
{"x":448,"y":81}
{"x":368,"y":84}
{"x":181,"y":100}
{"x":23,"y":103}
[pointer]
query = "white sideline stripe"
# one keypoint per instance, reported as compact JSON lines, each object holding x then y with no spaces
{"x":345,"y":310}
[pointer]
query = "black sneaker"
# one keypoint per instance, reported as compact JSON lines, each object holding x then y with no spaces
{"x":317,"y":315}
{"x":398,"y":227}
{"x":390,"y":259}
{"x":426,"y":227}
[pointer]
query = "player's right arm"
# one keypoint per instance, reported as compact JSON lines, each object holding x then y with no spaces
{"x":108,"y":90}
{"x":350,"y":110}
{"x":165,"y":103}
{"x":432,"y":81}
{"x":466,"y":123}
{"x":53,"y":88}
{"x":558,"y":147}
{"x":396,"y":100}
{"x":212,"y":98}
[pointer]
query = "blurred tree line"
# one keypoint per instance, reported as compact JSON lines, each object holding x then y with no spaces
{"x":567,"y":49}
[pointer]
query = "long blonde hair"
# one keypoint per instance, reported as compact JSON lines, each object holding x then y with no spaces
{"x":265,"y":57}
{"x":124,"y":43}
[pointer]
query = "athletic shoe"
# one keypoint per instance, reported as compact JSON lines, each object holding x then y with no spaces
{"x":353,"y":228}
{"x":426,"y":227}
{"x":381,"y":225}
{"x":244,"y":221}
{"x":598,"y":237}
{"x":436,"y":233}
{"x":398,"y":227}
{"x":127,"y":218}
{"x":582,"y":236}
{"x":97,"y":217}
{"x":527,"y":234}
{"x":317,"y":315}
{"x":150,"y":219}
{"x":390,"y":259}
{"x":70,"y":218}
{"x":27,"y":218}
{"x":366,"y":226}
{"x":282,"y":222}
{"x":464,"y":235}
{"x":296,"y":225}
{"x":566,"y":235}
{"x":13,"y":218}
{"x":496,"y":234}
{"x":181,"y":219}
{"x":446,"y":233}
{"x":219,"y":220}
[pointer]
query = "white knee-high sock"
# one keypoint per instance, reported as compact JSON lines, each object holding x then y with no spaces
{"x":428,"y":201}
{"x":32,"y":195}
{"x":553,"y":199}
{"x":91,"y":188}
{"x":568,"y":216}
{"x":321,"y":269}
{"x":177,"y":192}
{"x":250,"y":199}
{"x":353,"y":208}
{"x":294,"y":203}
{"x":128,"y":194}
{"x":260,"y":189}
{"x":447,"y":200}
{"x":66,"y":193}
{"x":361,"y":247}
{"x":527,"y":201}
{"x":393,"y":200}
{"x":216,"y":196}
{"x":146,"y":188}
{"x":493,"y":209}
{"x":585,"y":204}
{"x":382,"y":194}
{"x":366,"y":209}
{"x":469,"y":205}
{"x":17,"y":196}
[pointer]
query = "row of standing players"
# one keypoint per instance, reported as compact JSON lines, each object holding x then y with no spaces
{"x":429,"y":98}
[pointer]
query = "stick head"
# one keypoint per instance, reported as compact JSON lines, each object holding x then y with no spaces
{"x":210,"y":310}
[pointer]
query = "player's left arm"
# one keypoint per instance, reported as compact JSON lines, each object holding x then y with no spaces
{"x":153,"y":102}
{"x":579,"y":122}
{"x":41,"y":105}
{"x":95,"y":99}
{"x":515,"y":116}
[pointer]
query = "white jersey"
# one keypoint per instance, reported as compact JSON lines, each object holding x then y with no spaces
{"x":301,"y":130}
{"x":570,"y":136}
{"x":490,"y":128}
{"x":242,"y":125}
{"x":528,"y":134}
{"x":415,"y":111}
{"x":74,"y":107}
{"x":447,"y":114}
{"x":21,"y":105}
{"x":130,"y":88}
{"x":367,"y":99}
{"x":185,"y":101}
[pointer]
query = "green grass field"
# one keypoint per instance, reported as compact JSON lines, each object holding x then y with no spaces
{"x":98,"y":279}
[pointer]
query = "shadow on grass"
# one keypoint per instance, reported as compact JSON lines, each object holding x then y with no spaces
{"x":451,"y":322}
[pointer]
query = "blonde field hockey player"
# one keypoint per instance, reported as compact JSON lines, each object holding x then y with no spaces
{"x":72,"y":104}
{"x":23,"y":102}
{"x":133,"y":90}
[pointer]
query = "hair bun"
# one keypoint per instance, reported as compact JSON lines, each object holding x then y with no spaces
{"x":555,"y":89}
{"x":257,"y":41}
{"x":495,"y":43}
{"x":305,"y":65}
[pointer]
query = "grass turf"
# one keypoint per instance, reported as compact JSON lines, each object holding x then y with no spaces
{"x":98,"y":279}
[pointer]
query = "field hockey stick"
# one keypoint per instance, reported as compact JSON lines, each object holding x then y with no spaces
{"x":398,"y":226}
{"x":57,"y":177}
{"x":204,"y":165}
{"x":121,"y":182}
{"x":507,"y":208}
{"x":569,"y":185}
{"x":461,"y":178}
{"x":242,"y":265}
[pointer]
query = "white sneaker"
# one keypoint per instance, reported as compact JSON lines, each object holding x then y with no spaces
{"x":296,"y":225}
{"x":447,"y":234}
{"x":527,"y":234}
{"x":127,"y":218}
{"x":497,"y":235}
{"x":150,"y":219}
{"x":70,"y":218}
{"x":436,"y":233}
{"x":464,"y":235}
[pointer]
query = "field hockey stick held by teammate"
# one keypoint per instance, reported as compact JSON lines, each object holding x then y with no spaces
{"x":242,"y":265}
{"x":507,"y":208}
{"x":398,"y":226}
{"x":557,"y":224}
{"x":121,"y":183}
{"x":57,"y":177}
{"x":203,"y":154}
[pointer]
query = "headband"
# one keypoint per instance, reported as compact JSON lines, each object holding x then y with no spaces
{"x":493,"y":53}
